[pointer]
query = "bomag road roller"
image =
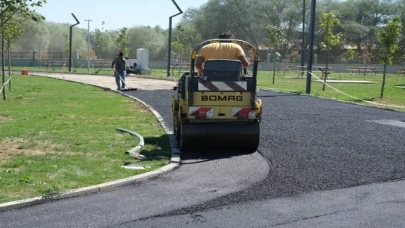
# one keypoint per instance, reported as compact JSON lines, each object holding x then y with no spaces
{"x":218,"y":109}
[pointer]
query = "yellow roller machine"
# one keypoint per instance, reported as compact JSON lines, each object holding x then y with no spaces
{"x":218,"y":109}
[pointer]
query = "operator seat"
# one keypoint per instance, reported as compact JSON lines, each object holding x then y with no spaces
{"x":223,"y":70}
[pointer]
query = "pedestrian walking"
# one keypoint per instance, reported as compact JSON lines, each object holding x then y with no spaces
{"x":119,"y":67}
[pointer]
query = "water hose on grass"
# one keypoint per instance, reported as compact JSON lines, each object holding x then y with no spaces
{"x":135,"y":151}
{"x":4,"y":85}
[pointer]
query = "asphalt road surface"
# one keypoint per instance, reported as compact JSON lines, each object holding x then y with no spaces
{"x":322,"y":163}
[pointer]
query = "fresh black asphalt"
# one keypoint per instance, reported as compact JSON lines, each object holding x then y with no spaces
{"x":315,"y":144}
{"x":310,"y":145}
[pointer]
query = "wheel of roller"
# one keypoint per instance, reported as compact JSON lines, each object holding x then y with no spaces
{"x":175,"y":120}
{"x":178,"y":125}
{"x":182,"y":144}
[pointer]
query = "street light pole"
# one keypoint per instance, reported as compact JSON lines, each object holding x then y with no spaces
{"x":3,"y":70}
{"x":303,"y":34}
{"x":311,"y":46}
{"x":88,"y":44}
{"x":170,"y":37}
{"x":71,"y":41}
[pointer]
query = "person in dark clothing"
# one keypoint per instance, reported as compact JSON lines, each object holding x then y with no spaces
{"x":118,"y":64}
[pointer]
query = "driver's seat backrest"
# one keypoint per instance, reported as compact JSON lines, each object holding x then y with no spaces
{"x":223,"y":70}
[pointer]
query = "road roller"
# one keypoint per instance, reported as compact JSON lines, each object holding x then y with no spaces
{"x":218,"y":108}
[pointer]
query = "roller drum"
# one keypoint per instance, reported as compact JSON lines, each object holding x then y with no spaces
{"x":241,"y":137}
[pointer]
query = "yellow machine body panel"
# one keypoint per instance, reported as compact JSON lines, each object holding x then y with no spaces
{"x":222,"y":106}
{"x":229,"y":99}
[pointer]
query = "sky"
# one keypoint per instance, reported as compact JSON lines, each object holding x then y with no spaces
{"x":116,"y":14}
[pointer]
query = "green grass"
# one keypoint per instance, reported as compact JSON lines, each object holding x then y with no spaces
{"x":56,"y":136}
{"x":362,"y":92}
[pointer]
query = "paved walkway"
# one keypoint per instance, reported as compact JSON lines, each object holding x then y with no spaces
{"x":132,"y":81}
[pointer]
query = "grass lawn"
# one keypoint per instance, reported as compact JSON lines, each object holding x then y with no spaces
{"x":57,"y":136}
{"x":359,"y":93}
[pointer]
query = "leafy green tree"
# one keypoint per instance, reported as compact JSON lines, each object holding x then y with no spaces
{"x":328,"y":23}
{"x":153,"y":39}
{"x":351,"y":55}
{"x":177,"y":46}
{"x":8,"y":26}
{"x":366,"y":57}
{"x":66,"y":47}
{"x":20,"y":7}
{"x":276,"y":39}
{"x":101,"y":42}
{"x":187,"y":35}
{"x":35,"y":37}
{"x":14,"y":28}
{"x":123,"y":41}
{"x":389,"y":37}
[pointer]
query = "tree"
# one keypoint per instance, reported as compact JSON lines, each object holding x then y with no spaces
{"x":35,"y":37}
{"x":389,"y":37}
{"x":367,"y":56}
{"x":188,"y":36}
{"x":101,"y":42}
{"x":9,"y":29}
{"x":276,"y":39}
{"x":123,"y":41}
{"x":150,"y":38}
{"x":20,"y":7}
{"x":177,"y":46}
{"x":66,"y":47}
{"x":84,"y":54}
{"x":12,"y":30}
{"x":327,"y":23}
{"x":351,"y":55}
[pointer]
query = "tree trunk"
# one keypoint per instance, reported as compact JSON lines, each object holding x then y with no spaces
{"x":9,"y":64}
{"x":365,"y":67}
{"x":274,"y":71}
{"x":326,"y":71}
{"x":383,"y":82}
{"x":284,"y":68}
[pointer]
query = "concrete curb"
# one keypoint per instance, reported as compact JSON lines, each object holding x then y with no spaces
{"x":174,"y":163}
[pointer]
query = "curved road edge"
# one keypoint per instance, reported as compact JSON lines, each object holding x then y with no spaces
{"x":174,"y":163}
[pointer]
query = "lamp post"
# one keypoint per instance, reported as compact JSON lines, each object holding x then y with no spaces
{"x":170,"y":37}
{"x":88,"y":44}
{"x":70,"y":41}
{"x":181,"y":47}
{"x":3,"y":70}
{"x":311,"y":46}
{"x":303,"y":34}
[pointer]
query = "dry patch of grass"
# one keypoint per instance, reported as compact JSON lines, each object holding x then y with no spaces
{"x":10,"y":147}
{"x":4,"y":118}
